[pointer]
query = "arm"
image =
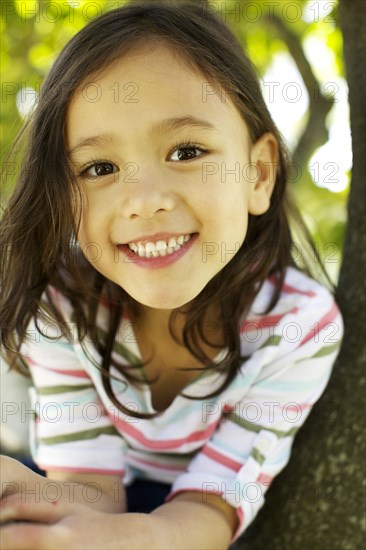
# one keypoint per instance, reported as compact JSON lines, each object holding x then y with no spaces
{"x":184,"y":524}
{"x":103,"y":493}
{"x":193,"y":520}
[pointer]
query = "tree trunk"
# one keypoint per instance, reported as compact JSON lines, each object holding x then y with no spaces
{"x":318,"y":500}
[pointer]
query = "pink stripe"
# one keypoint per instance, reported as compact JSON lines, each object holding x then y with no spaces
{"x":87,"y":470}
{"x":240,"y":514}
{"x":291,"y":289}
{"x":136,"y":434}
{"x":325,"y":320}
{"x":57,"y":298}
{"x":295,"y":408}
{"x":222,"y":459}
{"x":265,"y":479}
{"x":77,"y":373}
{"x":104,"y":302}
{"x":156,"y":465}
{"x":268,"y":321}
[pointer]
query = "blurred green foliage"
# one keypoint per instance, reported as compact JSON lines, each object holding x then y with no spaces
{"x":33,"y":33}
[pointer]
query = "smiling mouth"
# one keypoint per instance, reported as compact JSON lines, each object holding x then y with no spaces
{"x":160,"y":248}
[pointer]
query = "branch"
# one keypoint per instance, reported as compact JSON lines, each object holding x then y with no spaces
{"x":315,"y":133}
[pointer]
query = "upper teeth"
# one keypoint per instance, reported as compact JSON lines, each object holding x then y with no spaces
{"x":159,"y":248}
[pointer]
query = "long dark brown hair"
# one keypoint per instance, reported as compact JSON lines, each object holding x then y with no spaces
{"x":40,"y":219}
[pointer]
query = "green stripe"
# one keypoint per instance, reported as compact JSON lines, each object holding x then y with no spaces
{"x":78,"y":436}
{"x":167,"y":456}
{"x":120,"y":349}
{"x":251,"y":427}
{"x":50,"y":390}
{"x":117,"y":347}
{"x":170,"y":459}
{"x":326,"y":350}
{"x":273,"y":340}
{"x":126,"y":353}
{"x":257,"y":456}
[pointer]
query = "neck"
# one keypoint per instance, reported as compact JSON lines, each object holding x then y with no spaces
{"x":155,"y":322}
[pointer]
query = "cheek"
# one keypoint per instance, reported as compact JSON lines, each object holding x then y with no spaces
{"x":91,"y":209}
{"x":89,"y":224}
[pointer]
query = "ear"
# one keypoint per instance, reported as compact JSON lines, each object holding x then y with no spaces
{"x":263,"y":158}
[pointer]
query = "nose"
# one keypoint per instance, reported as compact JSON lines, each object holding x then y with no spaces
{"x":146,"y":191}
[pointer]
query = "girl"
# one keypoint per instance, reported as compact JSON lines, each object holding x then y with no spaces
{"x":175,"y":346}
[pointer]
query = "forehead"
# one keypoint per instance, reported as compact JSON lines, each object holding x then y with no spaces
{"x":144,"y":85}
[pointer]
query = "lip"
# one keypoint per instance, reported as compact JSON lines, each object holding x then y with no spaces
{"x":159,"y":261}
{"x":144,"y":239}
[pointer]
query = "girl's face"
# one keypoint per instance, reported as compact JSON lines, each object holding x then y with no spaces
{"x":167,"y":153}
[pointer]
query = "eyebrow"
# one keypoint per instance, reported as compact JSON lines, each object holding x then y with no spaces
{"x":166,"y":125}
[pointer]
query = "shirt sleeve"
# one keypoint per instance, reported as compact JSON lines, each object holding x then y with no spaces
{"x":70,"y":429}
{"x":252,"y":442}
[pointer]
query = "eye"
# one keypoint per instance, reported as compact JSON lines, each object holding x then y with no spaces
{"x":100,"y":168}
{"x":186,"y":151}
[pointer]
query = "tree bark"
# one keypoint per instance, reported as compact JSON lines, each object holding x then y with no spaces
{"x":318,"y":501}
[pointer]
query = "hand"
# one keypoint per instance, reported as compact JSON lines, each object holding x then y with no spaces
{"x":63,"y":525}
{"x":32,"y":515}
{"x":54,"y":524}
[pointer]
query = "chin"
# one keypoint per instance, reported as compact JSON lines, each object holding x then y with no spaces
{"x":164,"y":301}
{"x":163,"y":304}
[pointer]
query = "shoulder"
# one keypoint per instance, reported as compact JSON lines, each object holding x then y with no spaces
{"x":305,"y":313}
{"x":299,"y":295}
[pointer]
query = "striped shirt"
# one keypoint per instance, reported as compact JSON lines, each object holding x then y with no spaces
{"x":231,"y":445}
